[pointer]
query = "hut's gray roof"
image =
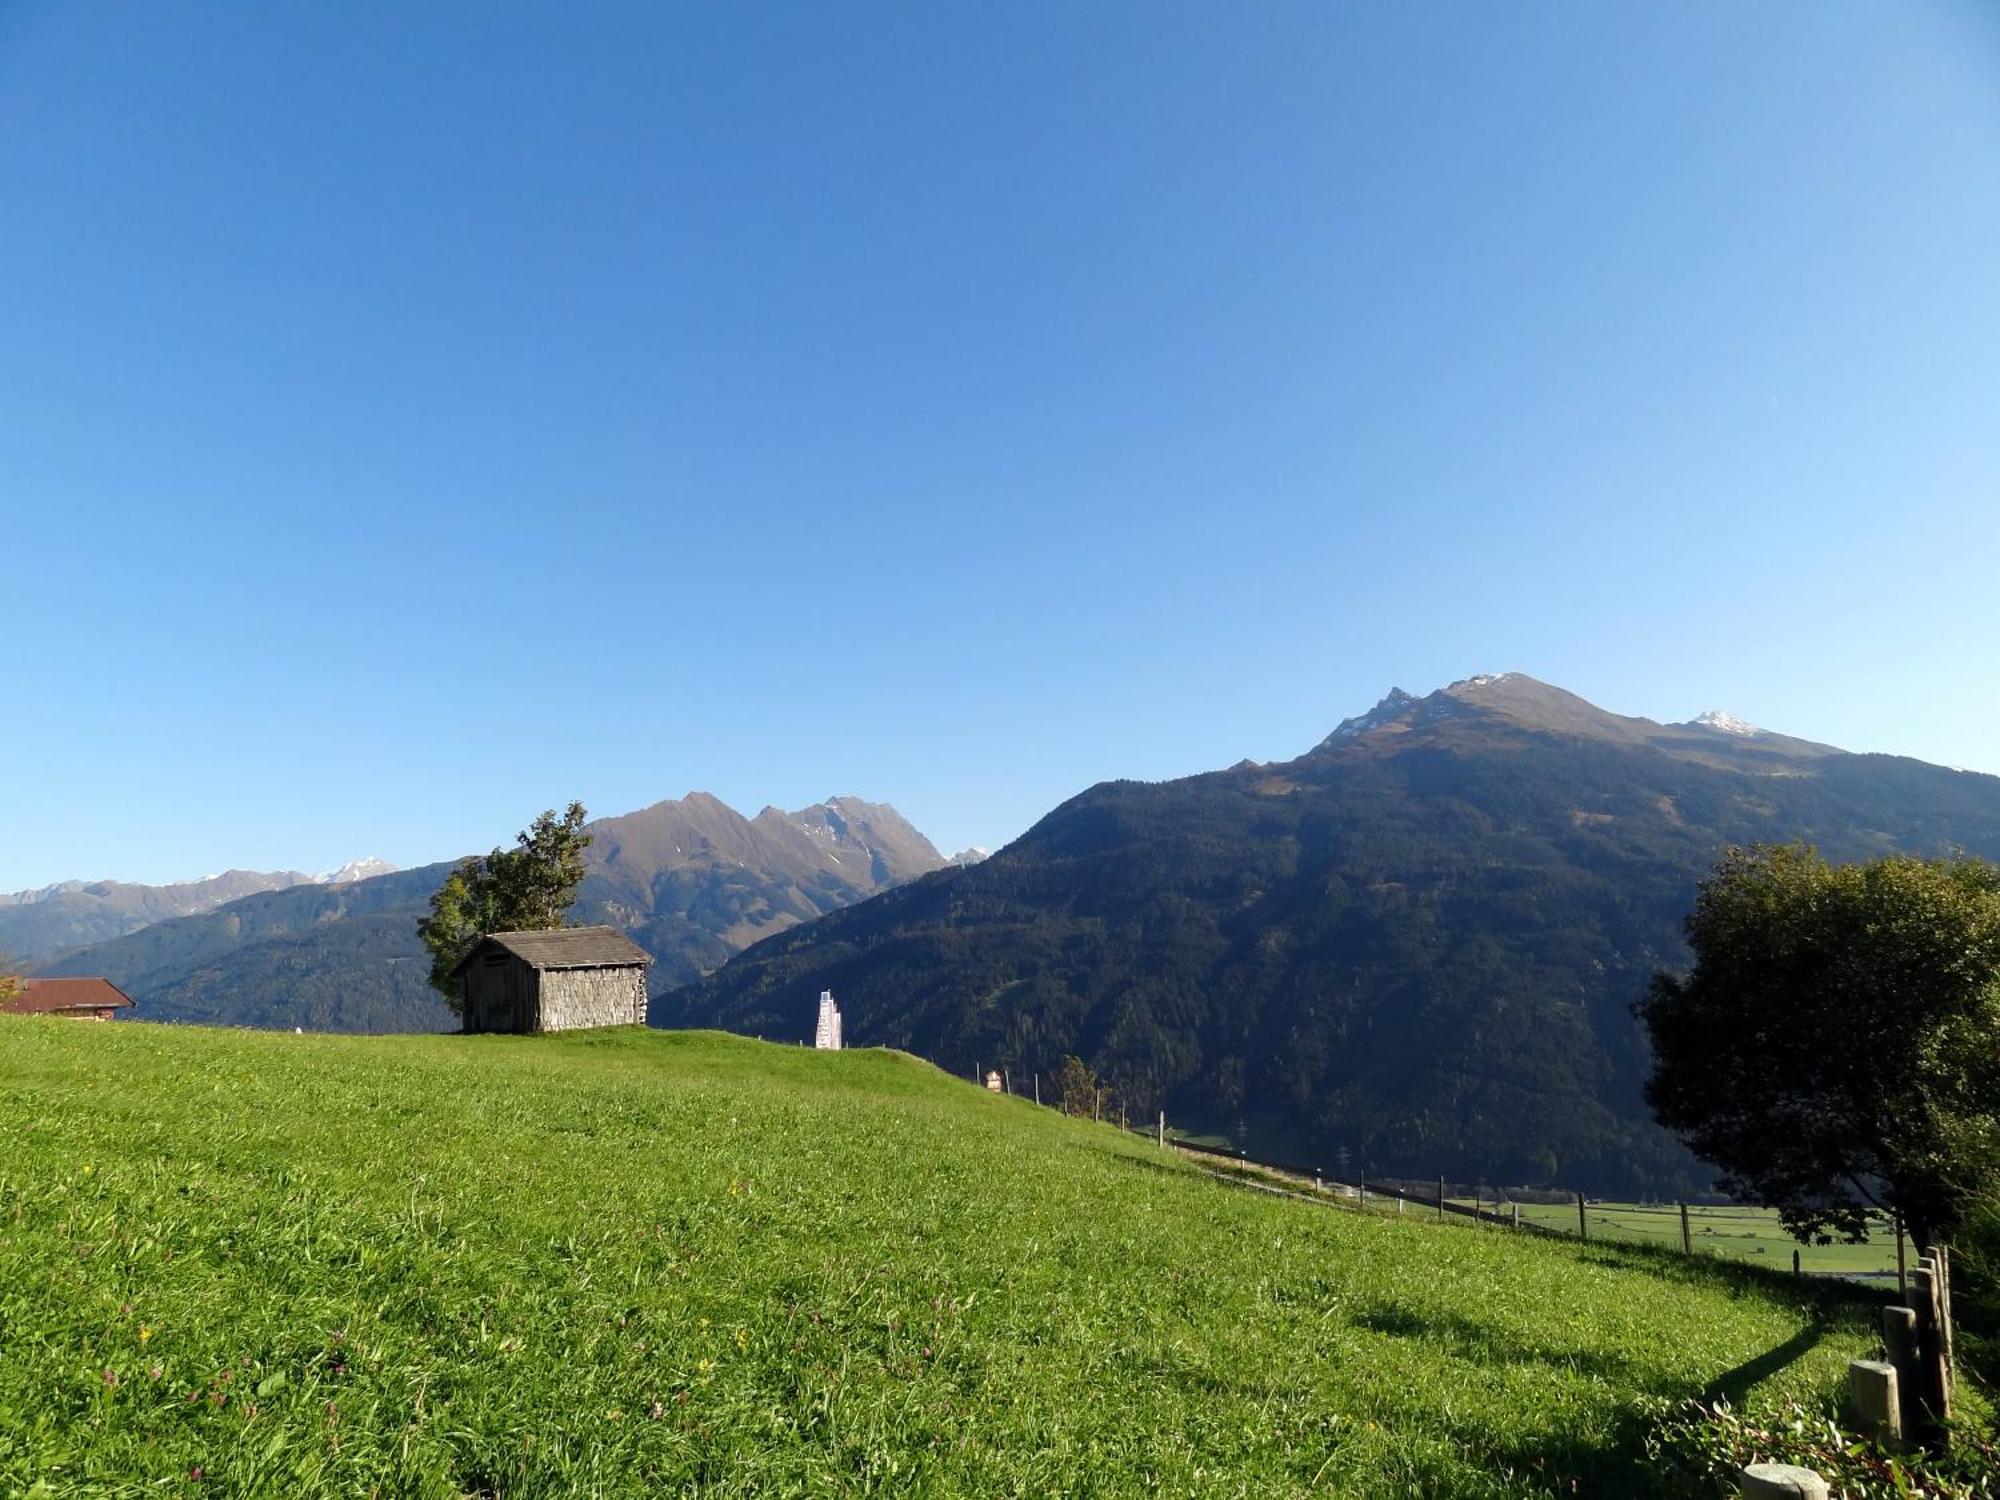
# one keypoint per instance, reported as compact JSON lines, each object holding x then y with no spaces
{"x":565,"y":948}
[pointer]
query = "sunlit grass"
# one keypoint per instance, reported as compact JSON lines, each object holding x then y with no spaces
{"x":644,"y":1263}
{"x":1736,"y":1232}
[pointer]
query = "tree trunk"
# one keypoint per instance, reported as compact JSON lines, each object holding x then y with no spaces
{"x":1923,"y":1234}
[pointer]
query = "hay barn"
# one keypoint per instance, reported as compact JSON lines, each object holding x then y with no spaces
{"x":560,"y":980}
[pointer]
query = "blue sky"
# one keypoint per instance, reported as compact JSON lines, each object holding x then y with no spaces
{"x":415,"y":416}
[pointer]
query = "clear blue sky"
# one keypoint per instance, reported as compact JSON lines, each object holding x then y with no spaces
{"x":412,"y":416}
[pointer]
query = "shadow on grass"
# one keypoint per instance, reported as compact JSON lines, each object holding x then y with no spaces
{"x":1671,"y":1263}
{"x":1618,"y":1463}
{"x":1614,"y":1463}
{"x":1733,"y":1385}
{"x":1157,"y":1165}
{"x":1481,"y":1343}
{"x":1205,"y":1384}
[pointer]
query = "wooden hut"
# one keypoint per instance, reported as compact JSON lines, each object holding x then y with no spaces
{"x":81,"y":999}
{"x":559,"y":980}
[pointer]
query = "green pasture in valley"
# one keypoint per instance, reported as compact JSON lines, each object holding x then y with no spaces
{"x":631,"y":1263}
{"x":1739,"y":1233}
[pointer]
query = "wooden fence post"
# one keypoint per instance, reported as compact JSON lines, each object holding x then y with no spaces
{"x":1006,"y":1082}
{"x":1163,"y":1130}
{"x":1096,"y":1102}
{"x":1902,"y":1274}
{"x":1687,"y":1235}
{"x":1874,"y":1403}
{"x":1945,"y":1319}
{"x":1440,"y":1200}
{"x":1038,"y":1088}
{"x":1517,"y":1215}
{"x":1933,"y":1376}
{"x":1582,"y":1221}
{"x":1899,"y":1338}
{"x":1795,"y":1264}
{"x":1779,"y":1482}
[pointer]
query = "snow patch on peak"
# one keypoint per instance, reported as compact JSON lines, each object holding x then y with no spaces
{"x":1728,"y":723}
{"x":356,"y":869}
{"x":1486,"y":679}
{"x":1394,"y":703}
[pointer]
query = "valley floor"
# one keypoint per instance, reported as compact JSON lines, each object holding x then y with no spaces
{"x":642,"y":1263}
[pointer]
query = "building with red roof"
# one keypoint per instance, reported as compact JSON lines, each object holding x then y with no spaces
{"x":81,"y":999}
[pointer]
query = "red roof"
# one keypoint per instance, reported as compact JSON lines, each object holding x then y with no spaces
{"x":42,"y":996}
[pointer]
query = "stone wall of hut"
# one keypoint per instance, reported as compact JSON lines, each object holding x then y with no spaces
{"x":573,"y":998}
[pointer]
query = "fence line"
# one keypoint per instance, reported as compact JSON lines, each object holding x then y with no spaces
{"x":1435,"y":1200}
{"x":1362,"y":1187}
{"x":1903,"y":1399}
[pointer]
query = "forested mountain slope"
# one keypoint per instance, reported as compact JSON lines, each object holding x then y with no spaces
{"x":1419,"y":942}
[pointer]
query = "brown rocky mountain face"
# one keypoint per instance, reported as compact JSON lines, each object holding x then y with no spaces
{"x":695,"y":881}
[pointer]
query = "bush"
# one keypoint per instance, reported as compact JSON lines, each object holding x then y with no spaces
{"x":1707,"y":1445}
{"x":1975,"y":1293}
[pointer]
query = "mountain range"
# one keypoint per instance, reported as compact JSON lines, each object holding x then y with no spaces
{"x":39,"y":924}
{"x":1417,"y":944}
{"x":691,"y":880}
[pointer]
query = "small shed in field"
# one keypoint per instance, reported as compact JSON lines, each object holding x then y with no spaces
{"x":559,"y":980}
{"x":82,"y":999}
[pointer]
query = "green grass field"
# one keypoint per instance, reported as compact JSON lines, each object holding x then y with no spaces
{"x":1749,"y":1234}
{"x":641,"y":1263}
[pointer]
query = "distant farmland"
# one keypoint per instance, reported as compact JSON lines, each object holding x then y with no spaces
{"x":1738,"y":1233}
{"x":1731,"y":1231}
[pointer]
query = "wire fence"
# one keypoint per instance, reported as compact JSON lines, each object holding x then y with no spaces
{"x":1731,"y":1231}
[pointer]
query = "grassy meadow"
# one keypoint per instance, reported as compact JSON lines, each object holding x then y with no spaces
{"x":1732,"y":1230}
{"x":627,"y":1263}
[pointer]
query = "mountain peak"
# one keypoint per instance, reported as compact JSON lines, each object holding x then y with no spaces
{"x":1393,"y":703}
{"x":1525,"y":703}
{"x":1511,"y":695}
{"x":1727,"y":723}
{"x":357,"y":869}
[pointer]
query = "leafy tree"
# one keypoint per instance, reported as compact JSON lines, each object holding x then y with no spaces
{"x":1836,"y":1046}
{"x":10,"y":981}
{"x":1078,"y":1086}
{"x":524,"y":889}
{"x":1975,"y":1248}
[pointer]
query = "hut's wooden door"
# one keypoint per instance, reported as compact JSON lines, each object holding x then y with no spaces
{"x":520,"y":997}
{"x":499,"y":985}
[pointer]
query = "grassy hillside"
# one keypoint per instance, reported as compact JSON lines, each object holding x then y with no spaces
{"x":642,"y":1263}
